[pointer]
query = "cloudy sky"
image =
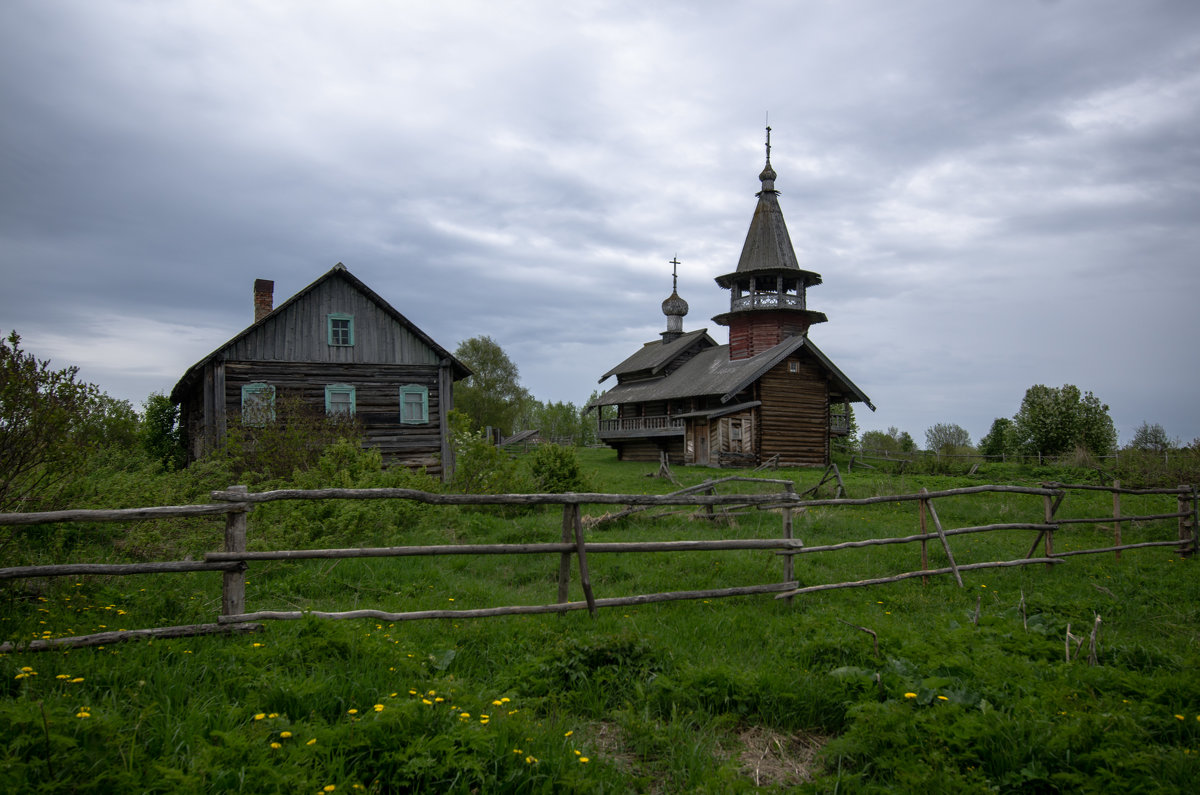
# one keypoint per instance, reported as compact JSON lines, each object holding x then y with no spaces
{"x":997,"y":194}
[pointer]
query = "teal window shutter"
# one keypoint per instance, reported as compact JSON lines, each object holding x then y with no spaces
{"x":414,"y":404}
{"x":339,"y":329}
{"x":258,"y":404}
{"x":339,"y":400}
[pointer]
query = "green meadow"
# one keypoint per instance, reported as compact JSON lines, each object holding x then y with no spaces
{"x":899,"y":687}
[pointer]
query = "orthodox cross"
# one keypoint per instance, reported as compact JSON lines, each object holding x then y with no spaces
{"x":675,"y":273}
{"x":768,"y":143}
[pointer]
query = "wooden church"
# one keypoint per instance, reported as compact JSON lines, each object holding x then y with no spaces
{"x":766,"y":394}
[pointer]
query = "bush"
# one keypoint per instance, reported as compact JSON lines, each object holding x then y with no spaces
{"x":556,"y":469}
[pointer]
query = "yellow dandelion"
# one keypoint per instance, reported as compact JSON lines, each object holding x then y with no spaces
{"x":412,"y":692}
{"x":379,"y":707}
{"x":568,"y":734}
{"x":427,"y":702}
{"x":910,"y":695}
{"x":329,"y":787}
{"x":504,"y":700}
{"x":1178,"y":717}
{"x":942,"y":698}
{"x":285,"y":735}
{"x":273,"y":715}
{"x":77,"y":680}
{"x":351,"y":712}
{"x":82,"y":714}
{"x":583,"y":760}
{"x":276,"y":746}
{"x":313,"y":741}
{"x":25,"y":669}
{"x":63,"y":676}
{"x":439,"y":699}
{"x":497,"y":703}
{"x":260,"y":716}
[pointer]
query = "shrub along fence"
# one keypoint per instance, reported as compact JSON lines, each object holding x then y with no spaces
{"x":235,"y":502}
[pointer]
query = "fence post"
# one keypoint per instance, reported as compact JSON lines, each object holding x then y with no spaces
{"x":1048,"y":513}
{"x":564,"y":560}
{"x":585,"y":579}
{"x":1117,"y":517}
{"x":233,"y":583}
{"x":1187,"y":539}
{"x":789,"y":561}
{"x":923,"y":503}
{"x":1195,"y":521}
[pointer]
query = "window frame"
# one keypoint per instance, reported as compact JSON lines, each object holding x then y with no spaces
{"x":251,"y":392}
{"x":340,"y":389}
{"x":329,"y":335}
{"x":414,"y":389}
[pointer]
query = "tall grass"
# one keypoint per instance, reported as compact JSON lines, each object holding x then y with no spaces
{"x":656,"y":698}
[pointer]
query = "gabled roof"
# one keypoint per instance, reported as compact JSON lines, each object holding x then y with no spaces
{"x":338,"y":271}
{"x":655,"y":356}
{"x":712,"y":373}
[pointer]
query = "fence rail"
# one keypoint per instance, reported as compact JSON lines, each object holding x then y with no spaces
{"x":236,"y":502}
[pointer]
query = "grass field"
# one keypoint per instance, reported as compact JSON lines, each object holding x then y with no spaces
{"x":723,"y":695}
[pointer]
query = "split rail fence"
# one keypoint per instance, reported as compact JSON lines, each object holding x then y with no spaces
{"x":236,"y":502}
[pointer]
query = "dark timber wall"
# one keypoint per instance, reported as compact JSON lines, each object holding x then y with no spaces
{"x":794,"y":414}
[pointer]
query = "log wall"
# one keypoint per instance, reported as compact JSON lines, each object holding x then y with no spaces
{"x":795,"y":414}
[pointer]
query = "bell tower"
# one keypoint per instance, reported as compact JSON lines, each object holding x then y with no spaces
{"x":768,"y":291}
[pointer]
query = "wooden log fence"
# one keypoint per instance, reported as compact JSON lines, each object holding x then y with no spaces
{"x":236,"y":502}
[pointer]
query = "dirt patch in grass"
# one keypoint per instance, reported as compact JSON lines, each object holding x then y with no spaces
{"x":770,"y":758}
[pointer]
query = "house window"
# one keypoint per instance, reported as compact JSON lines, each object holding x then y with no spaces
{"x":414,"y":404}
{"x":339,"y":400}
{"x":341,"y":329}
{"x":258,"y":404}
{"x":793,"y":366}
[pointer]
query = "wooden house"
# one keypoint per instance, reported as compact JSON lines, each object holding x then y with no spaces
{"x":340,"y":349}
{"x":767,"y":393}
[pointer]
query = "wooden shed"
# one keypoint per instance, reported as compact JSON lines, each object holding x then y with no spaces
{"x":341,"y":349}
{"x":768,"y":393}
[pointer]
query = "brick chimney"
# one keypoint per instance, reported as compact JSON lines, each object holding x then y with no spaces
{"x":264,"y":298}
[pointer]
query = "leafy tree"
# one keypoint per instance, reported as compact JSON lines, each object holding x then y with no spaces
{"x":893,"y":440}
{"x":162,"y":437}
{"x":1153,"y":438}
{"x":947,"y":438}
{"x":50,"y":423}
{"x":1054,"y":420}
{"x":492,"y":395}
{"x":557,"y":421}
{"x":1000,"y":439}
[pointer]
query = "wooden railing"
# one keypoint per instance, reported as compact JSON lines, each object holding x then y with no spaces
{"x":236,"y":502}
{"x":635,"y":424}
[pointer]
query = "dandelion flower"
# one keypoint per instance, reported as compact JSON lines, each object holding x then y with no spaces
{"x":82,"y":714}
{"x":77,"y":680}
{"x":260,"y":716}
{"x":63,"y":676}
{"x":329,"y":787}
{"x":313,"y":741}
{"x":568,"y":734}
{"x":273,"y":715}
{"x":351,"y":712}
{"x":427,"y":702}
{"x":910,"y":695}
{"x":25,"y":669}
{"x":379,"y":707}
{"x":942,"y":698}
{"x":1178,"y":717}
{"x":412,"y":692}
{"x":285,"y":735}
{"x":276,"y":746}
{"x":583,"y":760}
{"x":497,"y":703}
